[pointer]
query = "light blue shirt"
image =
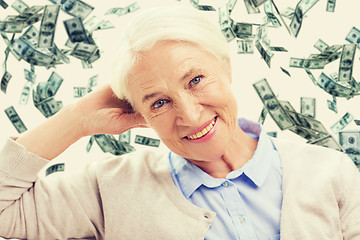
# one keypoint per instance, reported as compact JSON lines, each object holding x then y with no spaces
{"x":248,"y":201}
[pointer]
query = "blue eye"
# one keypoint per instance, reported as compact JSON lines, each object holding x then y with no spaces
{"x":158,"y":103}
{"x":195,"y":81}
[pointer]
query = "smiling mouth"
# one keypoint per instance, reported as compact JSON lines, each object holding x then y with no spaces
{"x":203,"y":132}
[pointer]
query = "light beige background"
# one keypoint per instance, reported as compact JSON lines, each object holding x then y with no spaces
{"x":330,"y":27}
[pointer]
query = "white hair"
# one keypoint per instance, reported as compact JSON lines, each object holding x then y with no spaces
{"x":181,"y":24}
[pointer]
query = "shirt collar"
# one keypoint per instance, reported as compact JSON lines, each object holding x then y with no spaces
{"x":190,"y":177}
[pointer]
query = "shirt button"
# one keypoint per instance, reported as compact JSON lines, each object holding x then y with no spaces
{"x":225,"y":184}
{"x":241,"y":219}
{"x":206,"y":215}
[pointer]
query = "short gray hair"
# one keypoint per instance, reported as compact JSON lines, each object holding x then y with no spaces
{"x":181,"y":24}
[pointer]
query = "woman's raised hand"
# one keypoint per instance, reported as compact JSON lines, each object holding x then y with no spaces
{"x":97,"y":113}
{"x":102,"y":112}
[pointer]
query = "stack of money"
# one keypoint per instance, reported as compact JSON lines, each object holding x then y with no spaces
{"x":43,"y":97}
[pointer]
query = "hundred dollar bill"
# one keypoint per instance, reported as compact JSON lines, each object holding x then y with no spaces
{"x":307,"y":106}
{"x":75,"y":30}
{"x":76,"y":8}
{"x":333,"y":88}
{"x":195,"y":3}
{"x":330,"y":6}
{"x":265,"y":54}
{"x":245,"y":46}
{"x":31,"y":36}
{"x":105,"y":25}
{"x":3,"y":4}
{"x":48,"y":26}
{"x":307,"y":122}
{"x":278,"y":49}
{"x":93,"y":23}
{"x":122,"y":11}
{"x":306,"y":133}
{"x":125,"y":137}
{"x":301,"y":9}
{"x":151,"y":142}
{"x":354,"y":36}
{"x":250,"y":8}
{"x":357,"y":122}
{"x":79,"y":92}
{"x":285,"y":71}
{"x":350,"y":141}
{"x":11,"y":27}
{"x":342,"y":123}
{"x":288,"y":13}
{"x":272,"y":105}
{"x":332,"y":106}
{"x":58,"y":54}
{"x":90,"y":143}
{"x":231,"y":4}
{"x":225,"y":23}
{"x":84,"y":51}
{"x":93,"y":81}
{"x":270,"y":13}
{"x":286,"y":105}
{"x":327,"y":141}
{"x":48,"y":107}
{"x":104,"y":142}
{"x":272,"y":134}
{"x":242,"y":30}
{"x":257,"y":3}
{"x":25,"y":93}
{"x":262,"y":116}
{"x":54,"y":82}
{"x":320,"y":45}
{"x":59,"y":167}
{"x":307,"y":63}
{"x":5,"y":81}
{"x":19,"y":6}
{"x":346,"y":62}
{"x":15,"y":119}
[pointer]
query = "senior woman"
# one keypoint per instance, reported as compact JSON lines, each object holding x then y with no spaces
{"x":223,"y":179}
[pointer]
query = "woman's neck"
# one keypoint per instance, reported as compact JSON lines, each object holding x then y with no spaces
{"x":240,"y":150}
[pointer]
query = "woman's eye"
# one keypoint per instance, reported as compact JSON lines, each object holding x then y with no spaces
{"x":158,"y":103}
{"x":195,"y":81}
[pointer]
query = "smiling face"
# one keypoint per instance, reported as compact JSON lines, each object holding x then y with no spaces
{"x":184,"y":94}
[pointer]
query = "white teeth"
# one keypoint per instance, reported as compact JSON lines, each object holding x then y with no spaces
{"x":202,"y":132}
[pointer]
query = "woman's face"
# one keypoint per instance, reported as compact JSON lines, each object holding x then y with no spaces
{"x":184,"y":94}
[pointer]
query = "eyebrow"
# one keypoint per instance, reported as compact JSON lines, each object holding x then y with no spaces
{"x":152,"y":95}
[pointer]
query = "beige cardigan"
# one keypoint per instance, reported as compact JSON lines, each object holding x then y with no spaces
{"x":133,"y":197}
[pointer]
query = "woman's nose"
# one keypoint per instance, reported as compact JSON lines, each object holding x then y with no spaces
{"x":189,"y":110}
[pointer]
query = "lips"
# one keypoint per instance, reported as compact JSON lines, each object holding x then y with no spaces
{"x":202,"y":130}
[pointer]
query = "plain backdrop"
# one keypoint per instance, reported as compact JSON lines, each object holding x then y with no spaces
{"x":247,"y":68}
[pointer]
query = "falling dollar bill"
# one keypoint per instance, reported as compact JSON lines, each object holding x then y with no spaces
{"x":357,"y":122}
{"x":231,"y":4}
{"x":93,"y":23}
{"x":85,"y":52}
{"x":48,"y":26}
{"x":90,"y":143}
{"x":76,"y":8}
{"x":332,"y":106}
{"x":122,"y":11}
{"x":3,"y":4}
{"x":346,"y":62}
{"x":288,"y":13}
{"x":257,"y":3}
{"x":250,"y":8}
{"x":327,"y":141}
{"x":75,"y":30}
{"x":301,"y":9}
{"x":330,"y":6}
{"x":354,"y":36}
{"x":54,"y":82}
{"x":270,"y":13}
{"x":272,"y":134}
{"x":286,"y":105}
{"x":307,"y":122}
{"x":342,"y":123}
{"x":15,"y":119}
{"x":245,"y":46}
{"x":307,"y":63}
{"x":93,"y":81}
{"x":195,"y":3}
{"x":225,"y":23}
{"x":278,"y":49}
{"x":272,"y":105}
{"x":307,"y":106}
{"x":350,"y":141}
{"x":264,"y":52}
{"x":5,"y":81}
{"x":285,"y":71}
{"x":19,"y":6}
{"x":151,"y":142}
{"x":334,"y":88}
{"x":79,"y":92}
{"x":60,"y":167}
{"x":25,"y":93}
{"x":125,"y":137}
{"x":11,"y":26}
{"x":320,"y":45}
{"x":262,"y":116}
{"x":242,"y":30}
